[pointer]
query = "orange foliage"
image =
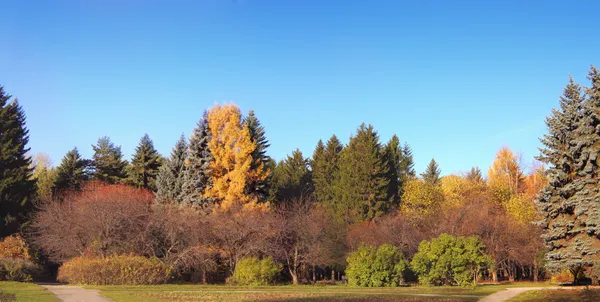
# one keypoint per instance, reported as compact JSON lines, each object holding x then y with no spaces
{"x":14,"y":247}
{"x":505,"y":176}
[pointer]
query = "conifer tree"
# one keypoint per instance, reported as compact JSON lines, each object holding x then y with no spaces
{"x":258,"y":187}
{"x":570,"y":204}
{"x":432,"y":173}
{"x":394,"y":156}
{"x":171,"y":173}
{"x":196,"y":175}
{"x":474,"y":175}
{"x":71,"y":173}
{"x":325,"y":167}
{"x":362,"y":186}
{"x":16,"y":182}
{"x":108,"y":162}
{"x":144,"y":164}
{"x":292,"y":178}
{"x":44,"y":175}
{"x":407,"y":164}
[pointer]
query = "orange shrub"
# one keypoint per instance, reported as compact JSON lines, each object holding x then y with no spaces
{"x":564,"y":276}
{"x":114,"y":270}
{"x":14,"y":247}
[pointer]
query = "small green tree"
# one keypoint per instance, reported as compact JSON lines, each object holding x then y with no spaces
{"x":432,"y":173}
{"x":449,"y":260}
{"x":109,"y":165}
{"x":376,"y":267}
{"x":72,"y":172}
{"x":144,"y":165}
{"x":255,"y":272}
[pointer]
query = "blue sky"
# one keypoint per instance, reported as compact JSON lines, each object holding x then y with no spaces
{"x":457,"y":80}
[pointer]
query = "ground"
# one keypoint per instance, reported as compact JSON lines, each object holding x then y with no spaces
{"x":24,"y":292}
{"x":560,"y":295}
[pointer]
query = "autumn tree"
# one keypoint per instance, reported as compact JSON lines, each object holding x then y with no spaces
{"x":292,"y":178}
{"x":258,"y":186}
{"x":16,"y":182}
{"x":44,"y":174}
{"x":72,"y":172}
{"x":108,"y":162}
{"x":432,"y":173}
{"x":169,"y":179}
{"x":420,"y":198}
{"x":144,"y":165}
{"x":505,"y":176}
{"x":325,"y":167}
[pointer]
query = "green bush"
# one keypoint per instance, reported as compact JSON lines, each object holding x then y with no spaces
{"x":449,"y":260}
{"x":375,"y":267}
{"x":254,"y":271}
{"x":114,"y":270}
{"x":15,"y":269}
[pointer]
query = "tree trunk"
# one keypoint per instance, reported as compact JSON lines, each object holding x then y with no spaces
{"x":332,"y":274}
{"x":203,"y":276}
{"x":536,"y":271}
{"x":495,"y":276}
{"x":314,"y":274}
{"x":294,"y":278}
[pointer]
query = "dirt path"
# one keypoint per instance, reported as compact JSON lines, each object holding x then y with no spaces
{"x":69,"y":293}
{"x":508,"y":293}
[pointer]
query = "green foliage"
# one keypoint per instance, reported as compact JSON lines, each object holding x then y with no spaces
{"x":376,"y":267}
{"x":108,"y":162}
{"x":114,"y":270}
{"x":255,"y":272}
{"x":325,"y":168}
{"x":45,"y":176}
{"x":169,"y":179}
{"x":291,"y":178}
{"x":72,"y":172}
{"x":17,"y":185}
{"x":449,"y":260}
{"x":144,"y":165}
{"x":432,"y":173}
{"x":14,"y":269}
{"x":260,"y":159}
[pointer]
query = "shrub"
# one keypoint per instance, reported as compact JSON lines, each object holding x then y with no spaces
{"x":375,"y":267}
{"x":254,"y":271}
{"x":14,"y":269}
{"x":449,"y":260}
{"x":114,"y":270}
{"x":14,"y":247}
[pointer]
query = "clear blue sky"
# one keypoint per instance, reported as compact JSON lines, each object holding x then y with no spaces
{"x":456,"y":79}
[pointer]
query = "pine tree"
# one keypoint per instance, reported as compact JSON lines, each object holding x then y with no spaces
{"x":570,"y":203}
{"x":474,"y":175}
{"x":144,"y":164}
{"x":16,"y":182}
{"x":292,"y":178}
{"x":362,"y":186}
{"x":325,"y":167}
{"x":108,"y":162}
{"x":394,"y":156}
{"x":71,"y":173}
{"x":170,"y":174}
{"x":258,"y":188}
{"x":196,"y":175}
{"x":407,"y":165}
{"x":432,"y":173}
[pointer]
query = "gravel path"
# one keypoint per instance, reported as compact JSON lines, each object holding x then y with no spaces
{"x":508,"y":293}
{"x":69,"y":293}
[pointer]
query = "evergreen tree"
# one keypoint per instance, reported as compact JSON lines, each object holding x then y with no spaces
{"x":474,"y":175}
{"x":170,"y":174}
{"x":196,"y":174}
{"x":16,"y":182}
{"x":432,"y":173}
{"x":394,"y":156}
{"x":324,"y":165}
{"x":407,"y":164}
{"x":570,"y":204}
{"x":109,"y":165}
{"x":258,"y":187}
{"x":145,"y":164}
{"x":362,"y":186}
{"x":71,"y":173}
{"x":292,"y":178}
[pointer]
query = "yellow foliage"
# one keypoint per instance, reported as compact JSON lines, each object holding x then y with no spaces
{"x":14,"y":247}
{"x":457,"y":190}
{"x":535,"y":182}
{"x":521,"y":208}
{"x":232,"y":149}
{"x":420,"y":198}
{"x":505,"y":176}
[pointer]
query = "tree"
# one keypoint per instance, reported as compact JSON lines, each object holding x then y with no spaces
{"x":145,"y":164}
{"x":362,"y":186}
{"x":16,"y":182}
{"x":231,"y":147}
{"x":376,"y":267}
{"x":259,"y":187}
{"x":474,"y":175}
{"x":71,"y":173}
{"x":407,"y":170}
{"x":432,"y":173}
{"x":505,"y":176}
{"x":44,"y":175}
{"x":292,"y":178}
{"x":394,"y":156}
{"x":196,"y":176}
{"x":420,"y":198}
{"x":109,"y":165}
{"x":169,"y":179}
{"x":325,"y":167}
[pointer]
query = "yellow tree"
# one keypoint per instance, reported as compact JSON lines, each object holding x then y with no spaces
{"x":458,"y":189}
{"x":231,"y":148}
{"x":420,"y":198}
{"x":505,"y":176}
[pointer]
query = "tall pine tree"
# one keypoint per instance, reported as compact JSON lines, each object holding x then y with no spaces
{"x":292,"y":179}
{"x":108,"y":162}
{"x":16,"y":182}
{"x":71,"y":173}
{"x":258,"y":187}
{"x":362,"y":186}
{"x":144,"y":164}
{"x":170,"y":175}
{"x":432,"y":173}
{"x":325,"y":166}
{"x":394,"y":156}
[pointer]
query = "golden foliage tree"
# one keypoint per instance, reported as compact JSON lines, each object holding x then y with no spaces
{"x":505,"y":176}
{"x":232,"y":148}
{"x":458,"y":189}
{"x":420,"y":198}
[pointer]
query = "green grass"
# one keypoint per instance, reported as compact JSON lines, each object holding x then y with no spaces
{"x":26,"y":292}
{"x":559,"y":295}
{"x":172,"y":292}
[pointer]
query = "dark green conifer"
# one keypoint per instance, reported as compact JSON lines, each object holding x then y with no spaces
{"x":394,"y":156}
{"x":324,"y":165}
{"x":292,"y":178}
{"x":108,"y":162}
{"x":432,"y":173}
{"x":144,"y":164}
{"x":71,"y":173}
{"x":196,"y":175}
{"x":260,"y":159}
{"x":170,"y":174}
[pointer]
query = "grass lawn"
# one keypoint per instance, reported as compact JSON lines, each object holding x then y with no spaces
{"x":22,"y":291}
{"x":171,"y":292}
{"x":560,"y":295}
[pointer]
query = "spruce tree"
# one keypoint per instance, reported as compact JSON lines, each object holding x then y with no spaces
{"x":362,"y":186}
{"x":16,"y":182}
{"x":432,"y":173}
{"x":292,"y":178}
{"x":108,"y":162}
{"x":258,"y":187}
{"x":71,"y":173}
{"x":144,"y":164}
{"x":196,"y":174}
{"x":474,"y":175}
{"x":170,"y":174}
{"x":570,"y":203}
{"x":407,"y":164}
{"x":394,"y":156}
{"x":324,"y":165}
